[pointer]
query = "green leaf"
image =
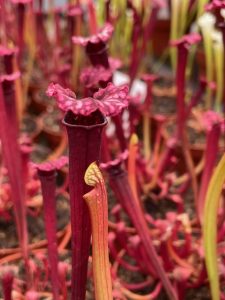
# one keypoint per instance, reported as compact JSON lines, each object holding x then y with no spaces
{"x":210,"y":227}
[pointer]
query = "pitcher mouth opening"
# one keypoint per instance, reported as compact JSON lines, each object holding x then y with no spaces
{"x":95,"y":119}
{"x":96,"y":49}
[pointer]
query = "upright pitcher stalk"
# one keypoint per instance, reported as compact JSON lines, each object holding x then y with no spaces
{"x":84,"y":148}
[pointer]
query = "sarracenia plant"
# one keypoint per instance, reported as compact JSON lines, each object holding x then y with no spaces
{"x":76,"y":27}
{"x":182,"y":47}
{"x":95,"y":45}
{"x":179,"y":10}
{"x":47,"y":176}
{"x":7,"y":283}
{"x":132,"y":173}
{"x":84,"y":121}
{"x":119,"y":183}
{"x":218,"y":55}
{"x":120,"y":44}
{"x":97,"y":204}
{"x":20,"y":10}
{"x":135,"y":51}
{"x":139,"y":51}
{"x":210,"y":227}
{"x":31,"y":43}
{"x":8,"y":85}
{"x":212,"y":146}
{"x":206,"y":23}
{"x":147,"y":114}
{"x":101,"y":9}
{"x":32,"y":295}
{"x":149,"y":26}
{"x":96,"y":50}
{"x":12,"y":158}
{"x":200,"y":7}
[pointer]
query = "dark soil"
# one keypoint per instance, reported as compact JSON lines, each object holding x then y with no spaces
{"x":29,"y":125}
{"x":164,"y":105}
{"x":52,"y":121}
{"x":164,"y":82}
{"x":40,"y":153}
{"x":194,"y":136}
{"x":159,"y":208}
{"x":201,"y":293}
